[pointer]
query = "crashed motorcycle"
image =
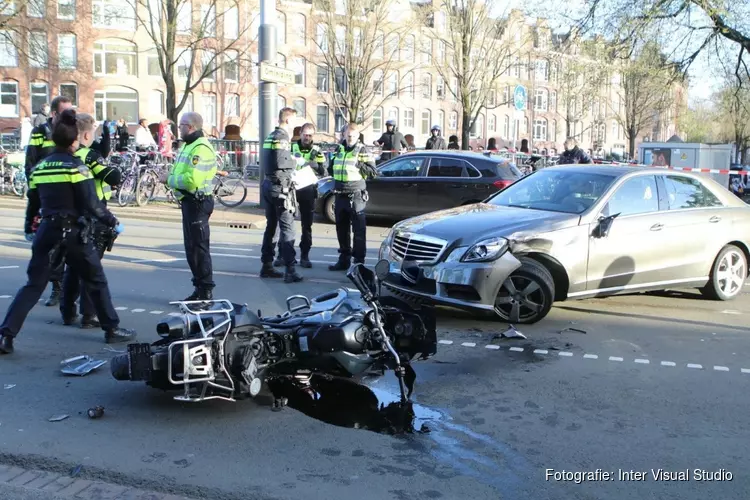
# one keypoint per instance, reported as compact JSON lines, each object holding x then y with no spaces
{"x":220,"y":350}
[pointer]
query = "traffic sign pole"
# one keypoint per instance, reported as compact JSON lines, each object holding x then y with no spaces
{"x":268,"y":95}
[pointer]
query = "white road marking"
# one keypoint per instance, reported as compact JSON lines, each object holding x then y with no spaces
{"x":541,"y":351}
{"x":590,"y":356}
{"x":563,"y":353}
{"x":721,"y":368}
{"x":175,"y":314}
{"x":744,"y":370}
{"x":492,"y":346}
{"x":517,"y":349}
{"x":730,"y":311}
{"x":668,"y":363}
{"x":469,"y":344}
{"x":9,"y":267}
{"x":445,"y":342}
{"x":693,"y":365}
{"x":336,"y":256}
{"x":642,"y":361}
{"x":156,"y":312}
{"x":615,"y":358}
{"x":141,"y":261}
{"x":4,"y":296}
{"x":137,"y":310}
{"x":121,"y":308}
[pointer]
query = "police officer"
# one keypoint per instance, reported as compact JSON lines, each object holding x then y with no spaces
{"x":40,"y":146}
{"x":63,"y":188}
{"x":436,"y":141}
{"x":279,"y":198}
{"x":307,"y":155}
{"x":351,"y":165}
{"x":104,"y":178}
{"x":392,"y":141}
{"x":191,"y":179}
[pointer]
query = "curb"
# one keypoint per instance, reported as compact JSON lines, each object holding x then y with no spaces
{"x":158,"y":215}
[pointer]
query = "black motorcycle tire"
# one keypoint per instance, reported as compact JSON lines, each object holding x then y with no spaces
{"x":120,"y":366}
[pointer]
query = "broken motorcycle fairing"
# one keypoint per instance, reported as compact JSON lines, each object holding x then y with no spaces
{"x":220,"y":350}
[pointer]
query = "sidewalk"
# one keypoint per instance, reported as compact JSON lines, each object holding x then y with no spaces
{"x":246,"y":216}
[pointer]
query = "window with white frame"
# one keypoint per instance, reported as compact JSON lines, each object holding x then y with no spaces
{"x":426,"y":119}
{"x":540,"y":100}
{"x":378,"y":50}
{"x":183,"y":67}
{"x":339,"y":120}
{"x":39,"y":95}
{"x":280,"y":28}
{"x":36,"y":8}
{"x":114,"y":103}
{"x":477,"y":128}
{"x":340,"y":81}
{"x":300,"y":107}
{"x":553,"y":131}
{"x":70,"y":90}
{"x":453,"y":121}
{"x":377,"y":121}
{"x":491,"y":98}
{"x":441,"y":119}
{"x":540,"y":129}
{"x":8,"y":50}
{"x":340,"y":35}
{"x":454,"y":89}
{"x":392,"y":83}
{"x":440,"y":88}
{"x":393,"y":115}
{"x":115,"y":57}
{"x":427,"y":51}
{"x":114,"y":14}
{"x":441,"y":52}
{"x":492,"y":124}
{"x":209,"y":110}
{"x":377,"y":82}
{"x":232,"y":23}
{"x":208,"y":20}
{"x":208,"y":64}
{"x":506,"y":127}
{"x":231,"y":66}
{"x":38,"y":49}
{"x":407,"y":53}
{"x":299,"y":28}
{"x":391,"y":47}
{"x":553,"y":101}
{"x":9,"y":99}
{"x":299,"y":65}
{"x":340,"y":7}
{"x":152,"y":63}
{"x":439,"y":21}
{"x":184,"y":18}
{"x":188,"y":107}
{"x":409,"y":85}
{"x":614,"y":130}
{"x":156,"y":102}
{"x":321,"y":118}
{"x":322,"y":78}
{"x":67,"y":51}
{"x":232,"y":105}
{"x":541,"y":71}
{"x":427,"y":86}
{"x":321,"y":38}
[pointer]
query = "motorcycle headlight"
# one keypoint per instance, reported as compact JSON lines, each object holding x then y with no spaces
{"x":486,"y":250}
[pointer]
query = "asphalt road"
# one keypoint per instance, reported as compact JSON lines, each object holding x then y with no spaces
{"x":655,"y":382}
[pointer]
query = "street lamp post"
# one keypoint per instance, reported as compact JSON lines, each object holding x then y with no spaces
{"x":267,"y":91}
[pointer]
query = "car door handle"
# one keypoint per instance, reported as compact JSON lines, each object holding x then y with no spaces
{"x":657,"y":227}
{"x":715,"y":218}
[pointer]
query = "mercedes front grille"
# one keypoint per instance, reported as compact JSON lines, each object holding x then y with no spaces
{"x":408,"y":246}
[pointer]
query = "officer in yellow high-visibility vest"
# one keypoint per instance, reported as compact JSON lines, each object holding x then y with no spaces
{"x":351,"y":165}
{"x":191,"y":179}
{"x":40,"y":146}
{"x":104,"y":178}
{"x":307,"y":155}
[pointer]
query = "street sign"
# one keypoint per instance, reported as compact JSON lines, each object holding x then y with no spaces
{"x":275,"y":74}
{"x":519,"y":97}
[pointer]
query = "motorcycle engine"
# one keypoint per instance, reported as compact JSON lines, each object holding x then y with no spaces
{"x":414,"y":332}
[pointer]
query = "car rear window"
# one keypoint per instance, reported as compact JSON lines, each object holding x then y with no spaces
{"x":508,"y":171}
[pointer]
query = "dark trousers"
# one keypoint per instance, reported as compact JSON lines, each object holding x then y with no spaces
{"x":277,"y":215}
{"x":197,"y":235}
{"x":306,"y":207}
{"x":57,"y":273}
{"x":81,"y":257}
{"x":350,"y":217}
{"x":73,"y":286}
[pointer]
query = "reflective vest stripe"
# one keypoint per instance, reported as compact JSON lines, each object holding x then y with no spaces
{"x":345,"y":166}
{"x":194,"y":177}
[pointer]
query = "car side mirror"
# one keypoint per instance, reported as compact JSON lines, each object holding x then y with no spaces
{"x":604,"y":226}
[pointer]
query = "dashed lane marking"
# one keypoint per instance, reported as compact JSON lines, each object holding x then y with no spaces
{"x":668,"y":363}
{"x":566,"y":354}
{"x":615,"y":358}
{"x":469,"y":344}
{"x":642,"y":361}
{"x":137,"y":310}
{"x":590,"y":356}
{"x":721,"y":368}
{"x":156,"y":312}
{"x":693,"y":365}
{"x":4,"y":296}
{"x":9,"y":267}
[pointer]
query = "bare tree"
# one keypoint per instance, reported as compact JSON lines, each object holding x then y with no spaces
{"x":191,"y":47}
{"x":733,"y":103}
{"x":359,"y":43}
{"x":698,"y":122}
{"x":478,"y":50}
{"x":645,"y":92}
{"x":26,"y":36}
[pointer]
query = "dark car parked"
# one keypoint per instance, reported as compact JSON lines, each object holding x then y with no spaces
{"x":418,"y":183}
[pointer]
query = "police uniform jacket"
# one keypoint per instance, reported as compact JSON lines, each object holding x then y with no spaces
{"x":62,"y":185}
{"x":353,"y":179}
{"x":312,"y":154}
{"x":104,"y":175}
{"x":277,"y":160}
{"x":40,"y":145}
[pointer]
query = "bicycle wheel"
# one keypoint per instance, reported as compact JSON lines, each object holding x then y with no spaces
{"x":146,"y":189}
{"x":231,"y":193}
{"x":125,"y":192}
{"x":18,"y":183}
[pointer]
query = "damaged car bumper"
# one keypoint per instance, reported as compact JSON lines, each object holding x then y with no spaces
{"x":445,"y":277}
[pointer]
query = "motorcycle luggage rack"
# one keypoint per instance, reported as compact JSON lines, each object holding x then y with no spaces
{"x":205,"y":378}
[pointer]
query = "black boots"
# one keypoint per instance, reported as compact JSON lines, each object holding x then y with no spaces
{"x":54,"y":297}
{"x":6,"y":345}
{"x":291,"y":276}
{"x":267,"y":271}
{"x":304,"y":261}
{"x":200,"y":294}
{"x":341,"y":265}
{"x":87,"y":322}
{"x":118,"y":335}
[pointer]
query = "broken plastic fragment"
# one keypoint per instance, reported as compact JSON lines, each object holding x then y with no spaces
{"x":9,"y":386}
{"x":80,"y":365}
{"x":96,"y":412}
{"x":512,"y":333}
{"x":577,"y":330}
{"x":58,"y":418}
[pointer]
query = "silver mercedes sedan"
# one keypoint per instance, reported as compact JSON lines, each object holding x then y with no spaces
{"x":574,"y":232}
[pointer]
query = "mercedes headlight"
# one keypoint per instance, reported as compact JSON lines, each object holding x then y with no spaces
{"x":486,"y":250}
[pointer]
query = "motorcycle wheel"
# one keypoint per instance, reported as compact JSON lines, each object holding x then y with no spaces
{"x":120,"y":367}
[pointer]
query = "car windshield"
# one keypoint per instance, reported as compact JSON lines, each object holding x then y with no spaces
{"x":568,"y":191}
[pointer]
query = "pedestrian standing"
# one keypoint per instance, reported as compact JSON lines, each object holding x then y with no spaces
{"x":279,"y":198}
{"x":392,"y":141}
{"x":62,"y":187}
{"x":436,"y":141}
{"x":191,"y":180}
{"x":306,"y":155}
{"x":351,"y":165}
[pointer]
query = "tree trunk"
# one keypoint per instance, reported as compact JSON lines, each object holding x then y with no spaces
{"x":465,"y":129}
{"x":631,"y":145}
